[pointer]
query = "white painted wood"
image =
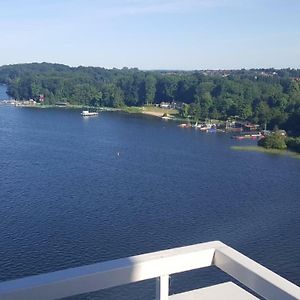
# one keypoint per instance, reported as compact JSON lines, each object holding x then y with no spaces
{"x":223,"y":291}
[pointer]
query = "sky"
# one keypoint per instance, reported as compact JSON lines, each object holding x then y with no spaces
{"x":152,"y":34}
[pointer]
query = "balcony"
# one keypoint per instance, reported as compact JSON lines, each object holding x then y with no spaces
{"x":260,"y":281}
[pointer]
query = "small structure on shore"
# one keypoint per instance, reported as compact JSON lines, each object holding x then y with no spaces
{"x":166,"y":116}
{"x":165,"y":105}
{"x":25,"y":103}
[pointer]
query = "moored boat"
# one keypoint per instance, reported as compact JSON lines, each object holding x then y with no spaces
{"x":249,"y":136}
{"x":204,"y":126}
{"x":212,"y":130}
{"x":86,"y":113}
{"x":184,"y":125}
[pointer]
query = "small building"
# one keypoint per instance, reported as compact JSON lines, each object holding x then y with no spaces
{"x":235,"y":126}
{"x":250,"y":127}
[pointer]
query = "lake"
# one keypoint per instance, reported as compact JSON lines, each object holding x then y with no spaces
{"x":76,"y":191}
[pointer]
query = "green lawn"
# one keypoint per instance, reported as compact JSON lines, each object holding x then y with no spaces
{"x":268,"y":151}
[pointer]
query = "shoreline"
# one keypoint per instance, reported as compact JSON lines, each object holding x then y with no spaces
{"x":259,"y":149}
{"x":171,"y":115}
{"x":167,"y":114}
{"x":143,"y":110}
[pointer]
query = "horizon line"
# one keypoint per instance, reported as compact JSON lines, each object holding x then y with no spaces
{"x":154,"y":69}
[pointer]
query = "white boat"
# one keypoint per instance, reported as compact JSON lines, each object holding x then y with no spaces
{"x":86,"y":113}
{"x":203,"y":126}
{"x":185,"y":125}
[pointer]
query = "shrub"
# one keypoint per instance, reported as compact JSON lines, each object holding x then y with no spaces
{"x":274,"y":141}
{"x":293,"y":143}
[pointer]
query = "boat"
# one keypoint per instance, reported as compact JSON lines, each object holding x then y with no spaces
{"x":204,"y":126}
{"x":86,"y":113}
{"x":184,"y":125}
{"x":212,"y":130}
{"x":249,"y":136}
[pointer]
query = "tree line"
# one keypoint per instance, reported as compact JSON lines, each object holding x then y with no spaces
{"x":264,"y":96}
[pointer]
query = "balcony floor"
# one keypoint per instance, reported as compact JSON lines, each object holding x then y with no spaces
{"x":224,"y":291}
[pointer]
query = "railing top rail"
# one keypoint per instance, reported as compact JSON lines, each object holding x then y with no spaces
{"x":89,"y":278}
{"x":255,"y":276}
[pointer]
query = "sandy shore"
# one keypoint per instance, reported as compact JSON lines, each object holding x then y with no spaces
{"x":157,"y":112}
{"x":153,"y":113}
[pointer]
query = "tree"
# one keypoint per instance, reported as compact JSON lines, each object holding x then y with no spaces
{"x":195,"y":111}
{"x":293,"y":143}
{"x":263,"y":113}
{"x":150,"y":88}
{"x":244,"y":111}
{"x":273,"y":141}
{"x":112,"y":96}
{"x":185,"y":110}
{"x":205,"y":103}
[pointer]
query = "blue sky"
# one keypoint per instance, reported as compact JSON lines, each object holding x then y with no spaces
{"x":152,"y":34}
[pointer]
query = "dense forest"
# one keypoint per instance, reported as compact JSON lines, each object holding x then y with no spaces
{"x":265,"y":96}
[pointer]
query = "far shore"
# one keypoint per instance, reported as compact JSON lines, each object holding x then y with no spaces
{"x":158,"y":112}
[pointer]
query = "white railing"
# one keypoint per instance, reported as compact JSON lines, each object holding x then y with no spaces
{"x":158,"y":265}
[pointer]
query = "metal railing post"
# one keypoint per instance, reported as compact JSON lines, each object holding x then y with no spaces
{"x":162,"y":287}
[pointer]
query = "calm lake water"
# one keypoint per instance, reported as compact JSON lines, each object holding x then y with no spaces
{"x":67,"y":199}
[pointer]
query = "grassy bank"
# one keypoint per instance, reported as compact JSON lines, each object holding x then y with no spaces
{"x":152,"y":111}
{"x":131,"y":109}
{"x":158,"y":111}
{"x":268,"y":151}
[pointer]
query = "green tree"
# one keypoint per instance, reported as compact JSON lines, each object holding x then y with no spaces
{"x":185,"y":110}
{"x":195,"y":111}
{"x":273,"y":141}
{"x":263,"y":113}
{"x":150,"y":88}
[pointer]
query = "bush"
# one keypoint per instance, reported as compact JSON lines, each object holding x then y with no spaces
{"x":273,"y":141}
{"x":293,"y":143}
